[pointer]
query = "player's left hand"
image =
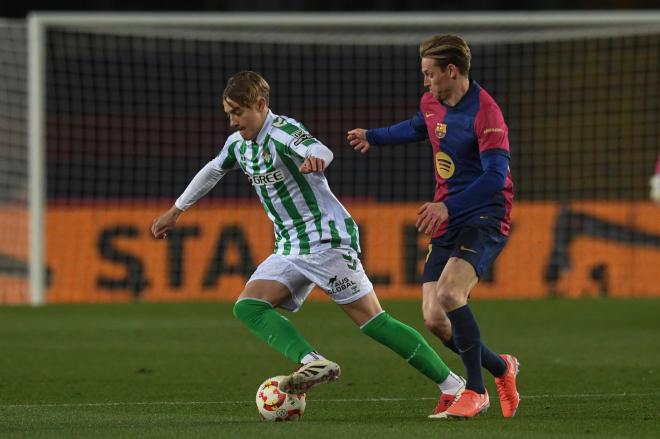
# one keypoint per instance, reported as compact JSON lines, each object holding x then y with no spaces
{"x":431,"y":216}
{"x":312,"y":164}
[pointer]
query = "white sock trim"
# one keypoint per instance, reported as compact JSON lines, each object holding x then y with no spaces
{"x":452,"y":384}
{"x":312,"y":356}
{"x":254,"y":298}
{"x":369,"y":321}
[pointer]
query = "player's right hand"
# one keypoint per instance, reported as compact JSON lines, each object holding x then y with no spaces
{"x":357,"y":137}
{"x":165,"y":222}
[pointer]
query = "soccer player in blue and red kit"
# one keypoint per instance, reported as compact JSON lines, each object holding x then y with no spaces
{"x":469,"y":217}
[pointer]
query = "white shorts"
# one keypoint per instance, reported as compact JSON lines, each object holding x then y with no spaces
{"x":337,"y":271}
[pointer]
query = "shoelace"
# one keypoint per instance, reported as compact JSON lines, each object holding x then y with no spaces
{"x":455,"y":401}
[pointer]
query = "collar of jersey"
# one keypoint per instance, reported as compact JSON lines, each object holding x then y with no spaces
{"x":268,"y":123}
{"x":474,"y":86}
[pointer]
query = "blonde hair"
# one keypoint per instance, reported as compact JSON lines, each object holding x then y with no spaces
{"x":447,"y":49}
{"x":245,"y":88}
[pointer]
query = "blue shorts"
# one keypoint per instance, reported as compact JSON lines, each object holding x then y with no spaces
{"x":477,"y":244}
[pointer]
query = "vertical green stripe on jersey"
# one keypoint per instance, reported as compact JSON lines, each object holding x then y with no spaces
{"x":351,"y":227}
{"x":255,"y":158}
{"x":335,"y":239}
{"x":278,"y":222}
{"x":298,"y":222}
{"x":281,"y":229}
{"x":305,"y":188}
{"x":230,"y":160}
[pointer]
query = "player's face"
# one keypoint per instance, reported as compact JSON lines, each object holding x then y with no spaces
{"x":439,"y":82}
{"x":247,"y":120}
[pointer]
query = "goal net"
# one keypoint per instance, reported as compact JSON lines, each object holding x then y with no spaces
{"x":130,"y":109}
{"x":14,"y":230}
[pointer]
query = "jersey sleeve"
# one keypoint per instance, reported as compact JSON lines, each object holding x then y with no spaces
{"x":300,"y":143}
{"x":490,"y":128}
{"x":411,"y":130}
{"x":293,"y":139}
{"x":495,"y":163}
{"x":209,"y":176}
{"x":226,"y":159}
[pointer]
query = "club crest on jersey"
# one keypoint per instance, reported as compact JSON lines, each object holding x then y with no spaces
{"x":440,"y":130}
{"x":267,"y":179}
{"x":444,"y":165}
{"x":266,"y":156}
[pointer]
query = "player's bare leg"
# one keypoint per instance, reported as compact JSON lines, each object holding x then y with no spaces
{"x":435,"y":318}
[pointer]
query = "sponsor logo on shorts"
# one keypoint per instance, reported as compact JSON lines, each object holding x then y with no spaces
{"x":465,"y":249}
{"x":266,"y":179}
{"x":340,"y":285}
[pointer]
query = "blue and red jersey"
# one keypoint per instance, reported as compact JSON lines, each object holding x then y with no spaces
{"x":470,"y":154}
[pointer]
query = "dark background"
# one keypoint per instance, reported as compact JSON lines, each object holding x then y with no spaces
{"x":135,"y":117}
{"x":20,"y":9}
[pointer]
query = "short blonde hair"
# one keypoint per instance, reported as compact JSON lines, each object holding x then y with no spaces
{"x":245,"y":88}
{"x":447,"y":49}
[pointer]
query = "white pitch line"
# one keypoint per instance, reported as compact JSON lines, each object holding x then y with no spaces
{"x":331,"y":401}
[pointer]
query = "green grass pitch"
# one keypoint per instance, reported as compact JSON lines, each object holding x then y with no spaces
{"x":589,"y":368}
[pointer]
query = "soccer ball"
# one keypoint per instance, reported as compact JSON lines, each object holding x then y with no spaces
{"x":274,"y":405}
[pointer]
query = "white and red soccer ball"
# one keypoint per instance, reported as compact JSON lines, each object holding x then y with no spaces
{"x":274,"y":405}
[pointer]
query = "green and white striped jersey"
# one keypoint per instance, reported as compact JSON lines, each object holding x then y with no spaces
{"x":306,"y":215}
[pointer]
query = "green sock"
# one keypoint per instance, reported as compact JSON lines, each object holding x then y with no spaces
{"x":273,"y":328}
{"x":409,"y":344}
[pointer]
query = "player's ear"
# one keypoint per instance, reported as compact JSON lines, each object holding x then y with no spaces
{"x":452,"y":70}
{"x":262,"y":104}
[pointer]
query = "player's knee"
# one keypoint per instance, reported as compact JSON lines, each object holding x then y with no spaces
{"x":449,"y":294}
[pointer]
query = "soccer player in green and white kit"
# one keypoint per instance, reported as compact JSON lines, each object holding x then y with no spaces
{"x":316,"y":241}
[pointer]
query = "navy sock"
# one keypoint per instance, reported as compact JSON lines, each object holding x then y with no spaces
{"x":451,"y":344}
{"x":465,"y":331}
{"x":490,"y":361}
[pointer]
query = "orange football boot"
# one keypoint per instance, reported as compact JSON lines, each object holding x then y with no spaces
{"x":469,"y":405}
{"x":506,"y":387}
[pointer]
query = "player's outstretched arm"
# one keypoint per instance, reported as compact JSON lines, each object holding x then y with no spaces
{"x":411,"y":130}
{"x":203,"y":182}
{"x":165,"y":222}
{"x":357,"y":137}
